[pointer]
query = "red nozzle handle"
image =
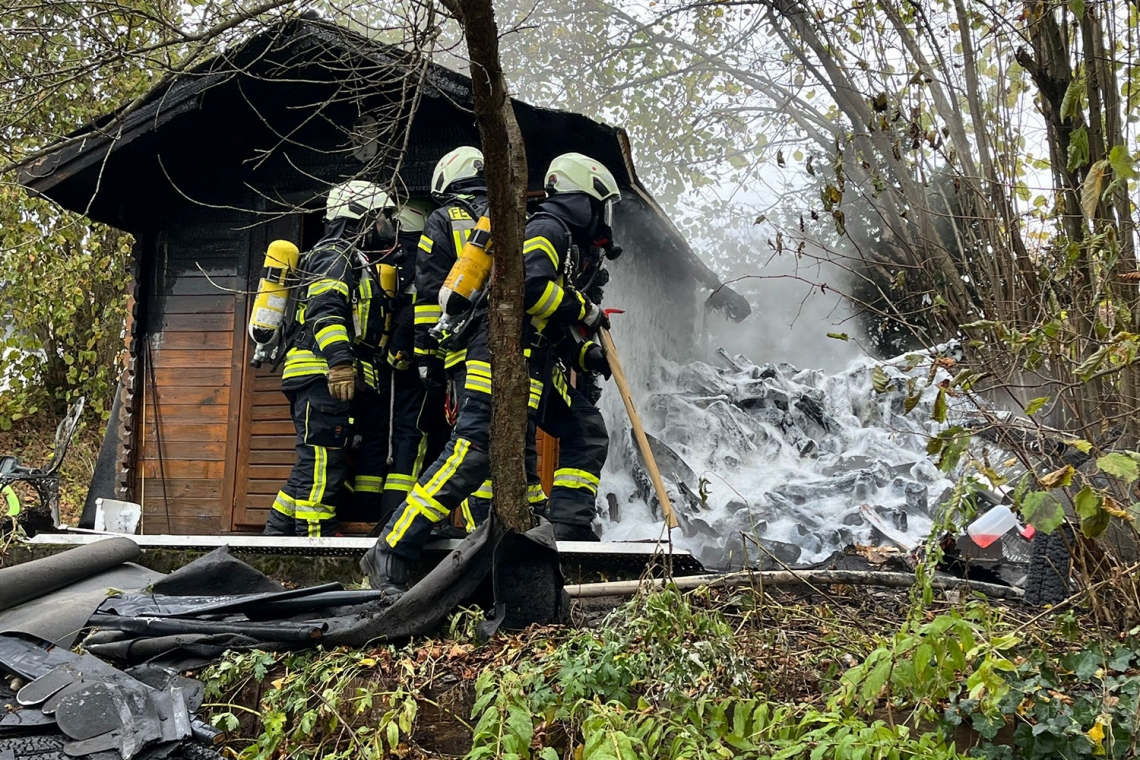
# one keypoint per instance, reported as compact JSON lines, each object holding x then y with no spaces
{"x":613,"y":311}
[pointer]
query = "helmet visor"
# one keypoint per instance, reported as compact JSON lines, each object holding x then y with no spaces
{"x":608,"y":213}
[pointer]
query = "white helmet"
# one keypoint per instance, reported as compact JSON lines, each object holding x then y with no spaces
{"x":352,"y":200}
{"x":412,"y":215}
{"x":460,"y":164}
{"x":575,"y":173}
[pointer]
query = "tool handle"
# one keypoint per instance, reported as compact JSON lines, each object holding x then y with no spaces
{"x":638,"y":430}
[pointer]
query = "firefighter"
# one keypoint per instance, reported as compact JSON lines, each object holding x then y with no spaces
{"x":582,"y":196}
{"x":418,"y":433}
{"x":336,"y":332}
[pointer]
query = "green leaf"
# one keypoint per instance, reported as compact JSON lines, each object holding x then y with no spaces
{"x":1078,"y":8}
{"x":879,"y":380}
{"x":838,"y":336}
{"x":1123,"y":165}
{"x":940,"y":410}
{"x":1080,"y":445}
{"x":1042,"y":510}
{"x":1088,"y":502}
{"x":1119,"y":466}
{"x":1034,"y":406}
{"x":1078,"y":149}
{"x":1074,"y":96}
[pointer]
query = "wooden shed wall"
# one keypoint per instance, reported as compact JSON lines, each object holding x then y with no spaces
{"x":188,"y":389}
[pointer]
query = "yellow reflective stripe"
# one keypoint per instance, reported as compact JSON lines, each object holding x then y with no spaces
{"x":285,"y":504}
{"x":572,"y":478}
{"x":425,"y":243}
{"x":582,"y":353}
{"x":320,"y":465}
{"x":468,"y":518}
{"x":324,"y":286}
{"x":327,"y":336}
{"x":475,"y":365}
{"x":407,"y":517}
{"x":313,"y":512}
{"x":549,"y":303}
{"x":397,"y":482}
{"x":535,"y":493}
{"x":431,"y":488}
{"x":461,"y":237}
{"x":541,"y":244}
{"x":426,"y":351}
{"x":455,"y":358}
{"x":420,"y":498}
{"x":421,"y":454}
{"x":369,"y":484}
{"x":477,"y":384}
{"x":535,"y":393}
{"x":427,"y":313}
{"x":485,"y":490}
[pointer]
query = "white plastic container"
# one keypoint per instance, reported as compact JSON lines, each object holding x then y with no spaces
{"x":992,"y":525}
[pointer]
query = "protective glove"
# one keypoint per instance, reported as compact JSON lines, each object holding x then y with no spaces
{"x":400,"y":360}
{"x":342,"y":381}
{"x":432,"y":373}
{"x":595,"y":361}
{"x":595,"y":317}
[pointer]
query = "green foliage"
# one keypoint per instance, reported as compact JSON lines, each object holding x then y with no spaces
{"x":65,"y":291}
{"x":323,"y":706}
{"x":665,"y":679}
{"x":1083,"y":704}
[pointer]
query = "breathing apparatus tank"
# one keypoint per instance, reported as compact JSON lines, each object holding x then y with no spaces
{"x":468,"y":274}
{"x":267,"y":322}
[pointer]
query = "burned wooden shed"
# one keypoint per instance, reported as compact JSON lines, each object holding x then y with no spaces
{"x":238,"y":152}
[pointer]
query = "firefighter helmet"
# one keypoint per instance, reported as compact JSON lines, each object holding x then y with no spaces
{"x":575,"y":173}
{"x":413,"y":214}
{"x":355,"y":199}
{"x":465,"y":163}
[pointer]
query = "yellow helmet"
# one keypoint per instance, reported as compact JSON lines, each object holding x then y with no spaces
{"x":463,"y":163}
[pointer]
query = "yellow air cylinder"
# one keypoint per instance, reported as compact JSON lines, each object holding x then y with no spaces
{"x":469,"y":273}
{"x":272,"y":292}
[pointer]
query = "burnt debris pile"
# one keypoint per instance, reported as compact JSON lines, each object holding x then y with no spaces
{"x":769,"y":464}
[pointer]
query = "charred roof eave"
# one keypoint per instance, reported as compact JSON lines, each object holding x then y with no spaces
{"x":63,"y":174}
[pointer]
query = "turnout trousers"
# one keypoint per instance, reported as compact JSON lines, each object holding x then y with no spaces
{"x":419,"y":433}
{"x":306,"y":505}
{"x":459,"y":471}
{"x":583,"y":444}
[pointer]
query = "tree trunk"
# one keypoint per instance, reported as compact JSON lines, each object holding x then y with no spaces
{"x":506,"y":170}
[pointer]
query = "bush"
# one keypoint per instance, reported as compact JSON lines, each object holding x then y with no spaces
{"x":65,"y":293}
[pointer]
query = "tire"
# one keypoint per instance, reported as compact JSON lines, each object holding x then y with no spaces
{"x":1049,"y":569}
{"x":37,"y":747}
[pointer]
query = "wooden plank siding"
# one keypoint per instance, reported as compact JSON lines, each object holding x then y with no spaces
{"x":189,"y":393}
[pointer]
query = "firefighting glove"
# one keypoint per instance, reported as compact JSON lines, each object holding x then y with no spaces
{"x":400,"y":360}
{"x":432,"y":374}
{"x":342,"y":381}
{"x":595,"y":361}
{"x":595,"y":317}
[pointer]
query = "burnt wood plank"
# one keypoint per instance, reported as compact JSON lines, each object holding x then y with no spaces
{"x":215,"y":358}
{"x":222,"y":320}
{"x":192,"y":339}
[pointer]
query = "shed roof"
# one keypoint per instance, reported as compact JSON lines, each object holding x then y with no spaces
{"x":204,"y":136}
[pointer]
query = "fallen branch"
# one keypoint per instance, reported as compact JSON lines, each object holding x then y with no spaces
{"x":789,"y":578}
